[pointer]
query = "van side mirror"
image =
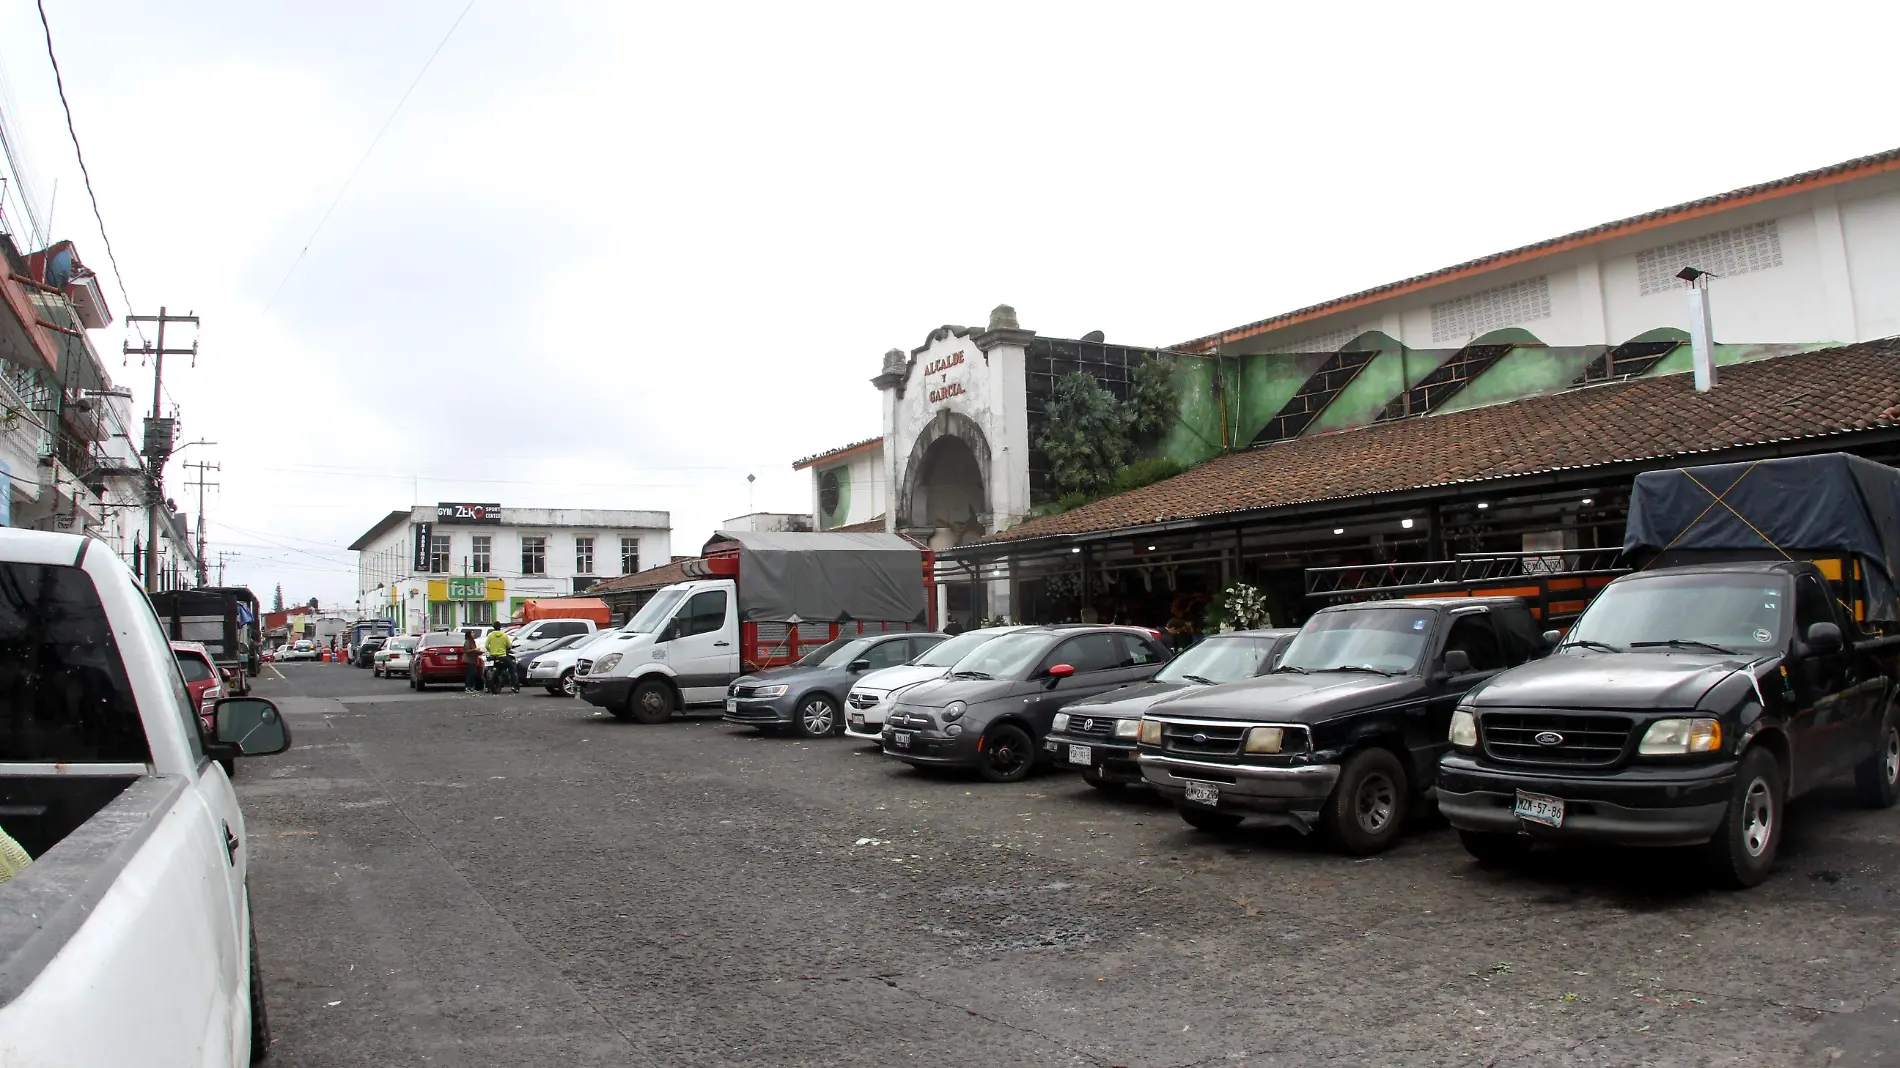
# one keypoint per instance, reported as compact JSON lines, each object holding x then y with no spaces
{"x":1457,"y":662}
{"x":1824,"y":638}
{"x":859,"y":665}
{"x":253,"y":725}
{"x":670,"y":631}
{"x":1552,"y":637}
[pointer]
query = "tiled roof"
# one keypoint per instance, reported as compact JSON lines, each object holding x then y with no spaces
{"x":650,"y":579}
{"x":832,"y":454}
{"x":1794,"y":183}
{"x":1808,"y":395}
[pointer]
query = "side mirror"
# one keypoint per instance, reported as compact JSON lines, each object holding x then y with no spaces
{"x":670,"y":631}
{"x":1552,"y":637}
{"x":859,"y":665}
{"x":1060,"y":671}
{"x":1824,"y":638}
{"x":1457,"y":662}
{"x":253,"y":725}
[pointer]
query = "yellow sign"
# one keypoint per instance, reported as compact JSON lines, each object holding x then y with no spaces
{"x":466,"y":589}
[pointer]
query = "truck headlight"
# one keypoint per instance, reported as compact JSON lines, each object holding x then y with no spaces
{"x":1061,"y":722}
{"x":954,"y":711}
{"x":604,"y":664}
{"x":769,"y":691}
{"x":1264,"y":740}
{"x":1150,"y":732}
{"x":1127,"y":728}
{"x":1464,"y":729}
{"x":1679,"y":737}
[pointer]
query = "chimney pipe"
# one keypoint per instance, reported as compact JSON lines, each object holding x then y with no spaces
{"x":1701,"y":328}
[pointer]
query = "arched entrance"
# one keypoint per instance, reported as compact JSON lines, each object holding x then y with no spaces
{"x":946,"y":480}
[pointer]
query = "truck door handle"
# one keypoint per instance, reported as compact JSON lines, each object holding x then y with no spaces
{"x":230,"y":845}
{"x":722,"y":645}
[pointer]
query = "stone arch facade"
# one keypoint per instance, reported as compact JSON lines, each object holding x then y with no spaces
{"x":945,"y":424}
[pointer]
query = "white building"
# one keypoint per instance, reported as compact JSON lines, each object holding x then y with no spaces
{"x":435,"y":567}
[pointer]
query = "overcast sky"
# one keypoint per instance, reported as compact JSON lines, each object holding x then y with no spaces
{"x":622,"y":255}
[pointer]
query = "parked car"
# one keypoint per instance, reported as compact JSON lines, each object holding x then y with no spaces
{"x":808,"y":696}
{"x":203,"y":681}
{"x":1096,"y":735}
{"x":367,"y":648}
{"x":871,"y":696}
{"x":524,"y":662}
{"x":129,"y":939}
{"x":438,"y":659}
{"x":393,"y":658}
{"x":541,"y":633}
{"x":993,"y":710}
{"x":1345,"y":733}
{"x":553,"y":669}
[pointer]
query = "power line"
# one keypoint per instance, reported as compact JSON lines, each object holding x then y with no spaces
{"x":374,"y":141}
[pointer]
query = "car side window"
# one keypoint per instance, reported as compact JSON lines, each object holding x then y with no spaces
{"x":889,"y":654}
{"x":704,"y":614}
{"x":1473,"y":634}
{"x":1138,"y":651}
{"x":1087,"y":652}
{"x":1811,"y":605}
{"x":564,"y":629}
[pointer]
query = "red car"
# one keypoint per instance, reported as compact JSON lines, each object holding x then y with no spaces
{"x":202,"y":679}
{"x":438,"y":659}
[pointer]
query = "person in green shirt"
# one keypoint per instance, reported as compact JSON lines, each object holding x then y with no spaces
{"x":500,"y":647}
{"x":13,"y":859}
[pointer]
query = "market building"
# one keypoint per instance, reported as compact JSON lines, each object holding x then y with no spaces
{"x":455,"y":563}
{"x":1801,"y":264}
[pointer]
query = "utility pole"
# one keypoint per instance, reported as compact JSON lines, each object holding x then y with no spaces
{"x":224,"y":555}
{"x":158,"y":431}
{"x":203,"y":469}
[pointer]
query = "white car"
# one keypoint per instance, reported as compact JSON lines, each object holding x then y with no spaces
{"x":302,"y":650}
{"x":871,"y":696}
{"x":394,"y":657}
{"x":538,"y":635}
{"x":554,"y":671}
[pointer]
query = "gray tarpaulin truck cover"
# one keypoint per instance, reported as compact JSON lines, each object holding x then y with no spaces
{"x":831,"y":577}
{"x":1807,"y":506}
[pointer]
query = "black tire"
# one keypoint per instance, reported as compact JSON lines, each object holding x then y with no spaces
{"x":1366,"y":812}
{"x":1210,"y":820}
{"x":1877,"y":779}
{"x":260,"y":1012}
{"x":567,"y":684}
{"x":650,"y":702}
{"x":415,"y":682}
{"x":1007,"y":754}
{"x":1494,"y":847}
{"x":817,"y":716}
{"x":1743,"y":849}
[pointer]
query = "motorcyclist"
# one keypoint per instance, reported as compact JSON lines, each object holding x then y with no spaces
{"x":500,"y":649}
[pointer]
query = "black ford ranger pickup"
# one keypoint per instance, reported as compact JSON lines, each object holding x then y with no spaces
{"x":1684,"y":708}
{"x":1344,"y":735}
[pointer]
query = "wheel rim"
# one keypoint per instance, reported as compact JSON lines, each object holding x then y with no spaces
{"x":817,"y":717}
{"x":567,"y":684}
{"x":1758,"y":818}
{"x":1376,"y":800}
{"x":1004,"y":753}
{"x":1893,"y":753}
{"x":653,"y":700}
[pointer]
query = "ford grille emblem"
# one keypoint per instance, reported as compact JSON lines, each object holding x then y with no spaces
{"x":1200,"y":738}
{"x":1549,"y":738}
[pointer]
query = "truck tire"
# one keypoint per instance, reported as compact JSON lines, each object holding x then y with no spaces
{"x":260,"y":1013}
{"x":1492,"y":847}
{"x":1209,"y":820}
{"x":1744,"y":846}
{"x":650,"y":702}
{"x":1877,"y":779}
{"x":1366,"y":813}
{"x":817,"y":717}
{"x":1006,"y":754}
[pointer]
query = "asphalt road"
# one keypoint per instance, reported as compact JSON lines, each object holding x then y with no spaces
{"x":468,"y":880}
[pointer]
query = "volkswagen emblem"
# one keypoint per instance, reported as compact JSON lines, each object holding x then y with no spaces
{"x":1088,"y":724}
{"x":1549,"y":738}
{"x":1200,"y":739}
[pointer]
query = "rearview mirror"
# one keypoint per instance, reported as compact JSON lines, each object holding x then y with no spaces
{"x":1061,"y":671}
{"x":1457,"y":662}
{"x":1552,"y":637}
{"x":1824,"y":638}
{"x":253,"y":725}
{"x":859,"y":665}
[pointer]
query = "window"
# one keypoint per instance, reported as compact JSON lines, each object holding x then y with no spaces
{"x":64,"y":695}
{"x":441,"y":615}
{"x":1087,"y":652}
{"x":1474,"y":635}
{"x":438,"y":554}
{"x":1463,"y":318}
{"x":1810,"y":605}
{"x":1755,"y":247}
{"x":629,"y":555}
{"x":481,"y":612}
{"x":888,"y":654}
{"x":480,"y":558}
{"x":534,"y":556}
{"x":1139,"y":651}
{"x":704,"y":614}
{"x":584,"y":556}
{"x":195,"y":668}
{"x":562,"y":630}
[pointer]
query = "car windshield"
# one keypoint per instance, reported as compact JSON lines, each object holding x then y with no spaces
{"x":835,"y":653}
{"x":1217,"y":660}
{"x":655,"y":613}
{"x":1733,"y":611}
{"x":946,"y":653}
{"x":402,"y":645}
{"x":1378,"y":639}
{"x":195,"y":669}
{"x":1006,"y":657}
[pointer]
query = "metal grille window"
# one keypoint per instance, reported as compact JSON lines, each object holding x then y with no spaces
{"x":1331,"y":341}
{"x":1463,"y":318}
{"x":629,"y":555}
{"x":534,"y":556}
{"x":441,"y":615}
{"x":438,"y":554}
{"x":480,"y":557}
{"x":481,"y":613}
{"x":583,"y":556}
{"x":1742,"y":250}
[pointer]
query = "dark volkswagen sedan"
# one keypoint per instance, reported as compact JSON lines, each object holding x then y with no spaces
{"x":1096,"y":735}
{"x":995,"y":707}
{"x":809,"y":696}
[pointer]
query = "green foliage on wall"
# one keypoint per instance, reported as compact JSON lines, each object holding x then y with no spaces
{"x":1153,"y":400}
{"x":1086,"y":437}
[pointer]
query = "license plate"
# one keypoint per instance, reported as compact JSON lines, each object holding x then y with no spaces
{"x":1205,"y":793}
{"x":1540,"y":808}
{"x":1081,"y":754}
{"x":732,"y":705}
{"x":900,"y":738}
{"x":857,"y":721}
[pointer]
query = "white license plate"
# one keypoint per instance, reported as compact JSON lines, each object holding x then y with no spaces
{"x":1081,"y":754}
{"x":1540,"y":808}
{"x":1205,"y":793}
{"x":900,"y":738}
{"x":857,"y":721}
{"x":732,"y":705}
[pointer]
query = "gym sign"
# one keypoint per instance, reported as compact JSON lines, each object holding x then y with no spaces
{"x":468,"y":513}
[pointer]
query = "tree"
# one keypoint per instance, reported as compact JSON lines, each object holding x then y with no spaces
{"x":277,"y":599}
{"x":1086,"y":436}
{"x":1152,"y":401}
{"x":313,"y":604}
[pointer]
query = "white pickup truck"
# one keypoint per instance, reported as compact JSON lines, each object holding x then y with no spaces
{"x":128,"y":939}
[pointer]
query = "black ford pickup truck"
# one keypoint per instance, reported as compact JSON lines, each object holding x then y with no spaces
{"x":1345,"y":733}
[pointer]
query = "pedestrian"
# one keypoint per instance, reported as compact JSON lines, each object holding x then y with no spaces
{"x":1178,"y":633}
{"x":471,"y":663}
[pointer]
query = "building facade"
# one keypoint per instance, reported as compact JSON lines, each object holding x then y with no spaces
{"x":433,"y":567}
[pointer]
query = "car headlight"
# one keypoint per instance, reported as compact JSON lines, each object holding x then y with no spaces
{"x":954,"y":711}
{"x":771,"y":691}
{"x":1679,"y":737}
{"x":953,"y":730}
{"x":1264,"y":740}
{"x":1061,"y":722}
{"x":604,"y":664}
{"x":1127,"y":728}
{"x":1464,"y":729}
{"x":1150,"y":732}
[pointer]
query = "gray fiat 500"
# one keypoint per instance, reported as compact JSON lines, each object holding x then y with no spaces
{"x":808,"y":696}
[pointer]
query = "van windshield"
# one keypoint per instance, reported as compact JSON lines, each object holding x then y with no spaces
{"x":655,"y":613}
{"x":64,"y":695}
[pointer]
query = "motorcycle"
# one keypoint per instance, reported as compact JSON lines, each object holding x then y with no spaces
{"x":499,"y":672}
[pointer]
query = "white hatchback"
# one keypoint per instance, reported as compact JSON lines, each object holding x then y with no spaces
{"x":871,"y":696}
